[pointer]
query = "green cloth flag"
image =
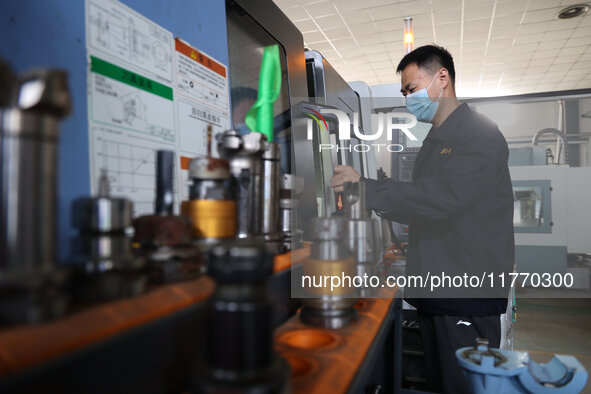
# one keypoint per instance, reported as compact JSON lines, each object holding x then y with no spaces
{"x":260,"y":116}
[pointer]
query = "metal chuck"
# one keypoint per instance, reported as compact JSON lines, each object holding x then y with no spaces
{"x":330,"y":257}
{"x":212,"y":211}
{"x":363,"y":235}
{"x":239,"y":355}
{"x":103,"y":262}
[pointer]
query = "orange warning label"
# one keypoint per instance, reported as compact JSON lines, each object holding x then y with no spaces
{"x":185,"y":162}
{"x":199,"y":57}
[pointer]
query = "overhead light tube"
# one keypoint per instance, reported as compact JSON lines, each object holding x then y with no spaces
{"x":409,"y":37}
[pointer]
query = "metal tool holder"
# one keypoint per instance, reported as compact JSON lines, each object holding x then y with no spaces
{"x":271,"y":194}
{"x":164,"y":239}
{"x":102,"y":259}
{"x":289,"y":218}
{"x":490,"y":371}
{"x":31,"y":282}
{"x":363,"y":235}
{"x":329,"y":255}
{"x":239,"y":355}
{"x":244,"y":154}
{"x":210,"y":207}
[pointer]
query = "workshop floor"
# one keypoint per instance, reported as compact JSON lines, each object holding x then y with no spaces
{"x":557,"y":325}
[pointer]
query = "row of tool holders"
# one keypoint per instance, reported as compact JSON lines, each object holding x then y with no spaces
{"x":174,"y":302}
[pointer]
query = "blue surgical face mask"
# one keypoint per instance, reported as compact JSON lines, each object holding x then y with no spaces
{"x":420,"y":105}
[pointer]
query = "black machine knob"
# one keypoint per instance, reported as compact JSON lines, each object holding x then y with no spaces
{"x":239,"y":354}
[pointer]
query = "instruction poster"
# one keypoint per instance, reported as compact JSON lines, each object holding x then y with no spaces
{"x":147,"y":91}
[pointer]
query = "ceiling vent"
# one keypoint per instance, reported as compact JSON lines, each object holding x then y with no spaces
{"x":573,"y":11}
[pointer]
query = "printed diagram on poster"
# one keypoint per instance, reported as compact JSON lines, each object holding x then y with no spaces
{"x":121,"y":32}
{"x":147,"y":91}
{"x":122,"y":98}
{"x":129,"y":165}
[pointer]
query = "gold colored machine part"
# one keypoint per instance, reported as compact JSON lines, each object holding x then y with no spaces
{"x":211,"y":218}
{"x":321,"y":271}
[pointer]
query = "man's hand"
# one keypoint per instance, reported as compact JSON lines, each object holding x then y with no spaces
{"x":343,"y":174}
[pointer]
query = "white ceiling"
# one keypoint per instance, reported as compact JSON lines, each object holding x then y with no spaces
{"x":500,"y":47}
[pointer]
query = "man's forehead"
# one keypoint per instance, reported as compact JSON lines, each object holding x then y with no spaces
{"x":412,"y":73}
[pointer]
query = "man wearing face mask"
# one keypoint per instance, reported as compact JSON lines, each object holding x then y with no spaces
{"x":460,"y":210}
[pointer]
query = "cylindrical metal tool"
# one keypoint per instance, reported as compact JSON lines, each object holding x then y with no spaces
{"x":239,"y":355}
{"x":30,"y":280}
{"x":29,"y":171}
{"x":330,"y":256}
{"x":165,"y":239}
{"x":271,"y":186}
{"x":210,"y":208}
{"x":363,"y":234}
{"x":289,"y":218}
{"x":244,"y":153}
{"x":104,"y":265}
{"x":164,"y":180}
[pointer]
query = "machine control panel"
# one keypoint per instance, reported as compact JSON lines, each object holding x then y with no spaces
{"x":406,"y":164}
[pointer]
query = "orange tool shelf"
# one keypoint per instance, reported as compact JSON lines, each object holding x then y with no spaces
{"x":281,"y":262}
{"x":26,"y":346}
{"x":323,"y":359}
{"x":23,"y":347}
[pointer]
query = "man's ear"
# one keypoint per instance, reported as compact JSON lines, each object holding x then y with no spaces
{"x":444,"y":78}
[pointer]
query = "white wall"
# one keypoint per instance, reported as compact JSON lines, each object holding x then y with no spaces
{"x":521,"y":119}
{"x":515,"y":120}
{"x":525,"y":119}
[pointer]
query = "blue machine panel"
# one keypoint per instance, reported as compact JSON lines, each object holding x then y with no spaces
{"x":51,"y":33}
{"x":528,"y":156}
{"x":540,"y":259}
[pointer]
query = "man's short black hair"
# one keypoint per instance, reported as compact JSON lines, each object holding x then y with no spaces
{"x":430,"y":58}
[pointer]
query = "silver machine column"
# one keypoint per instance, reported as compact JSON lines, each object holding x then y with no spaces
{"x":271,"y":189}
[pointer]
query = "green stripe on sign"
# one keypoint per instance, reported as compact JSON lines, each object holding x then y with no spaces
{"x":122,"y":75}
